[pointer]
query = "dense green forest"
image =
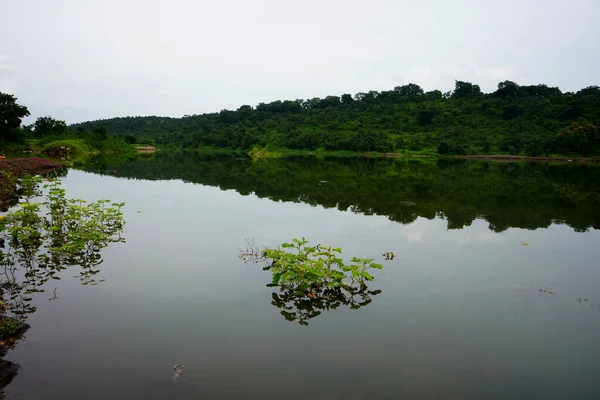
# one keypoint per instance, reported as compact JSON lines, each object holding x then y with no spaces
{"x":530,"y":120}
{"x":520,"y":195}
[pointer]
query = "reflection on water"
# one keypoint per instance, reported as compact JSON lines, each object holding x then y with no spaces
{"x":301,"y":309}
{"x":506,"y":195}
{"x":462,"y":313}
{"x":38,"y":241}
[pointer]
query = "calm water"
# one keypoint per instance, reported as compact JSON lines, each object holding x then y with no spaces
{"x":460,"y":315}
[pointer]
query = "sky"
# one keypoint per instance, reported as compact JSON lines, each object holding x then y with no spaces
{"x":79,"y":60}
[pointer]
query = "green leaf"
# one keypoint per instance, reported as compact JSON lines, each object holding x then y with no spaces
{"x":276,"y":278}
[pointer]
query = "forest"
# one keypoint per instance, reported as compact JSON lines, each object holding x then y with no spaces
{"x":530,"y":120}
{"x":535,"y":120}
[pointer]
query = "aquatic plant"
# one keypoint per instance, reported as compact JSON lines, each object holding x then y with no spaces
{"x":37,"y":241}
{"x":46,"y":237}
{"x":318,"y":268}
{"x":312,"y":279}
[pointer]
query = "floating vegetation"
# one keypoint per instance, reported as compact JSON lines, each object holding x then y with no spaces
{"x":548,"y":291}
{"x":40,"y":239}
{"x":312,"y":279}
{"x":388,"y":255}
{"x":545,"y":290}
{"x":252,"y":254}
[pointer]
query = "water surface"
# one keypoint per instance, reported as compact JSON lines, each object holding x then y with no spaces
{"x":464,"y":310}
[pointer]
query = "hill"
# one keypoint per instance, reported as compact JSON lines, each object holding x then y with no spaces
{"x":531,"y":120}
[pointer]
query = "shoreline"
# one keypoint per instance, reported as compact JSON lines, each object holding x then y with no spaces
{"x":498,"y":157}
{"x":13,"y":168}
{"x":284,"y":152}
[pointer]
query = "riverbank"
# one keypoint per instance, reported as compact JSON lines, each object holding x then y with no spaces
{"x":13,"y":168}
{"x":71,"y":150}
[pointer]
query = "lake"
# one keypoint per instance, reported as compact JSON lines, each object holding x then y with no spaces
{"x":493,"y":292}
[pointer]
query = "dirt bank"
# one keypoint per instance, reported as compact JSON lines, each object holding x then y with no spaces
{"x":17,"y":167}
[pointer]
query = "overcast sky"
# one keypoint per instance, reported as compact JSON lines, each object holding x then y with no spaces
{"x":79,"y":60}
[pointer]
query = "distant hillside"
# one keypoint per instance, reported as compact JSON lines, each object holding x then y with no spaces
{"x":531,"y":120}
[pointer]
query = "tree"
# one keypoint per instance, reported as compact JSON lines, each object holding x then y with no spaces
{"x":49,"y":127}
{"x":465,"y":90}
{"x":511,"y":112}
{"x":433,"y":95}
{"x":410,"y":90}
{"x":507,"y":89}
{"x":11,"y":115}
{"x":347,"y":98}
{"x":581,"y":137}
{"x":425,"y":117}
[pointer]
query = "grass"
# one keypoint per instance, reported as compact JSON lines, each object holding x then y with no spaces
{"x":67,"y":147}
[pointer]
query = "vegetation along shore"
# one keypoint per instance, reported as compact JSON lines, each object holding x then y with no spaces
{"x":514,"y":120}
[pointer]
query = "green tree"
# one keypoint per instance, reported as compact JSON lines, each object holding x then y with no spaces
{"x":11,"y":115}
{"x":347,"y":98}
{"x":49,"y":127}
{"x":512,"y":111}
{"x":507,"y":89}
{"x":581,"y":137}
{"x":425,"y":117}
{"x":465,"y":90}
{"x":410,"y":90}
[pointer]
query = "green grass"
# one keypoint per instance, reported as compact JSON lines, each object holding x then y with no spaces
{"x":67,"y":146}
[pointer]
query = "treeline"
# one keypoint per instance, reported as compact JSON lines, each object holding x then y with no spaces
{"x":532,"y":120}
{"x":50,"y":135}
{"x":506,"y":195}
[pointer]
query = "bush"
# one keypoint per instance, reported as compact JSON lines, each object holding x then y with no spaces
{"x":581,"y":137}
{"x":63,"y":148}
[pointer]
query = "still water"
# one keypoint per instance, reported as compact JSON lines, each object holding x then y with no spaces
{"x":494,"y":291}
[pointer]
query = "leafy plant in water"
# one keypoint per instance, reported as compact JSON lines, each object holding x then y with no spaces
{"x":314,"y":278}
{"x":318,"y":268}
{"x":48,"y":236}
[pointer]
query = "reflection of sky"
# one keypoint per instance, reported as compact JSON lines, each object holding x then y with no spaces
{"x":460,"y":309}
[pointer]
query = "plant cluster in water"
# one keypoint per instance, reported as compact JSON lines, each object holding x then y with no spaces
{"x":43,"y":238}
{"x":318,"y":270}
{"x":314,"y":278}
{"x":40,"y":239}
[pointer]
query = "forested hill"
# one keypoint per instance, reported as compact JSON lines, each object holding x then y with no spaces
{"x":532,"y":120}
